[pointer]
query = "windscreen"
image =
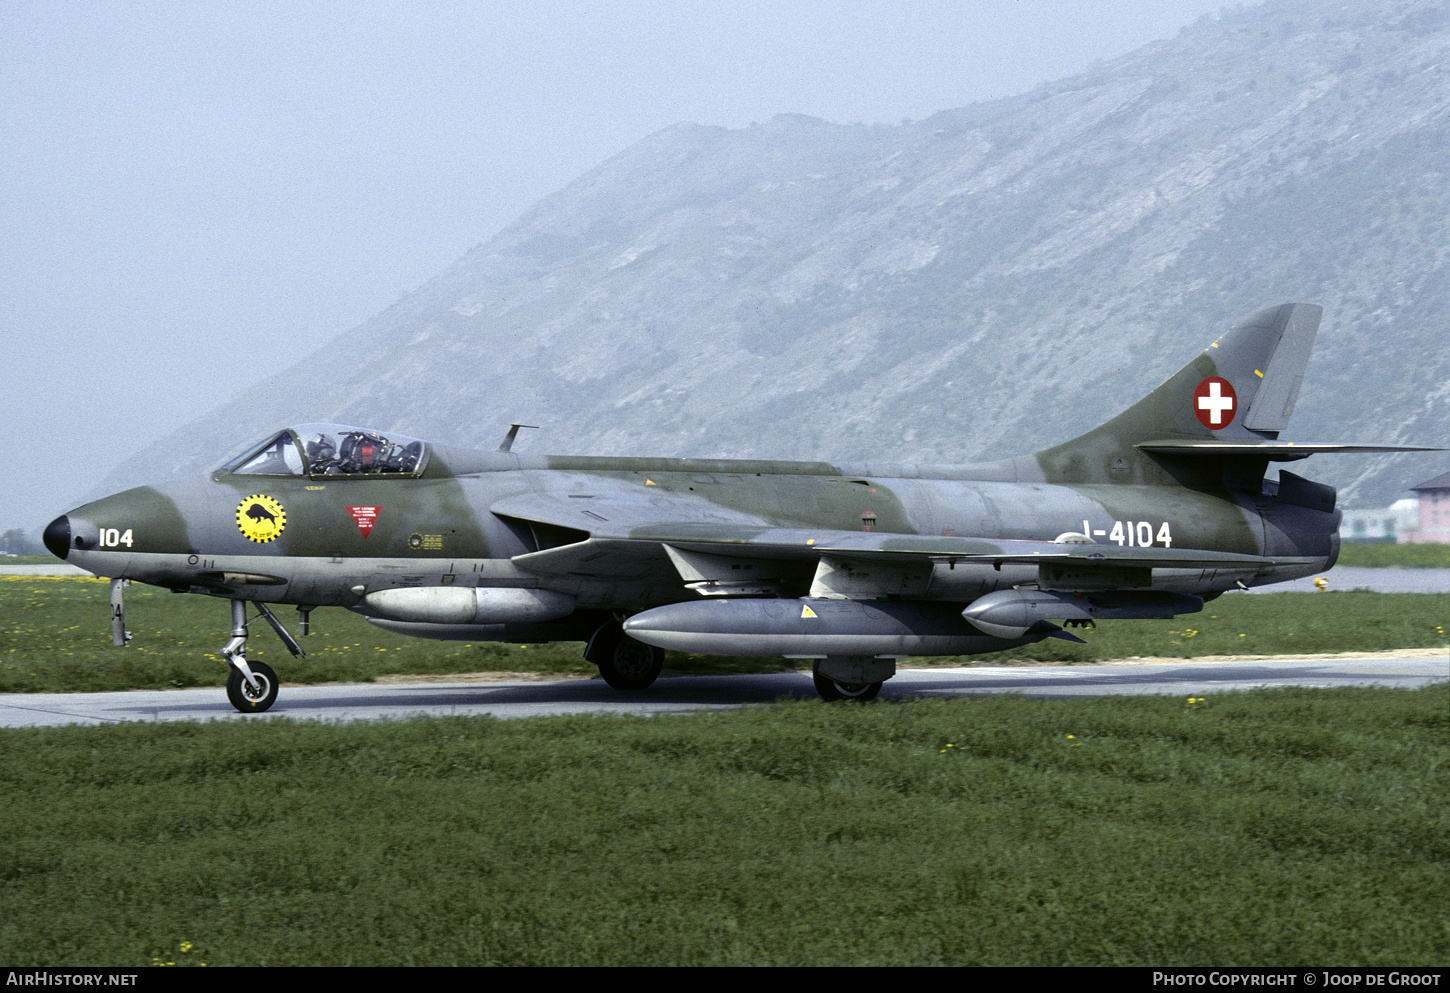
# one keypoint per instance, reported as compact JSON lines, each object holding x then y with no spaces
{"x":333,"y":450}
{"x":278,"y":456}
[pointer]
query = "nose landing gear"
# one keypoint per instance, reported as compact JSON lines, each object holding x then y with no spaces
{"x":252,"y":686}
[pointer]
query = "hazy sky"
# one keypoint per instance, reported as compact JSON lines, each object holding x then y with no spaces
{"x":197,"y":194}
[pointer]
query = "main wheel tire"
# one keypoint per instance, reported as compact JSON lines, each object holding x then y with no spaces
{"x":244,"y":697}
{"x":630,"y":664}
{"x":831,"y":691}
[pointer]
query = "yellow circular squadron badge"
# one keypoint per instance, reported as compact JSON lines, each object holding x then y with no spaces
{"x":260,"y":518}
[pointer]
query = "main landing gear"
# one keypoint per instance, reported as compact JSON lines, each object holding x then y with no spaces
{"x":252,"y":686}
{"x":832,"y":691}
{"x":851,"y":677}
{"x":624,"y":663}
{"x":627,"y":664}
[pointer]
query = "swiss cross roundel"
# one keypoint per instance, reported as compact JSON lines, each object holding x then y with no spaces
{"x":1215,"y":403}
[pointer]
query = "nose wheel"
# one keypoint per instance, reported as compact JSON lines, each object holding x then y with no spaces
{"x":256,"y":696}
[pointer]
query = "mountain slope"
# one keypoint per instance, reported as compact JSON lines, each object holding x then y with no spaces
{"x":986,"y":282}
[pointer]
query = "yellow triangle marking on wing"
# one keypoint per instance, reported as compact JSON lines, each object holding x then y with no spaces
{"x":650,"y":482}
{"x":806,"y":611}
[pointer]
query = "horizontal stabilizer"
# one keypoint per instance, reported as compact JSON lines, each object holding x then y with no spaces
{"x":1274,"y":451}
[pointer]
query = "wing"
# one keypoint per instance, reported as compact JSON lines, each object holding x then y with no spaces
{"x":737,"y":554}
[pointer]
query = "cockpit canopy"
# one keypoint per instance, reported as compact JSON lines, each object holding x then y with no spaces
{"x":332,"y":450}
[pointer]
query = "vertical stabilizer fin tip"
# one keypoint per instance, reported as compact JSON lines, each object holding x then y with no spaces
{"x":508,"y":441}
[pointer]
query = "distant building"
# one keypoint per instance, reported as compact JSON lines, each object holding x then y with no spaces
{"x":1433,"y":527}
{"x":1386,"y":524}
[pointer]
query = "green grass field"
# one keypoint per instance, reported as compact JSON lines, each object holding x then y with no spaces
{"x":55,"y":637}
{"x":1375,"y":555}
{"x":1287,"y":827}
{"x":1271,"y":827}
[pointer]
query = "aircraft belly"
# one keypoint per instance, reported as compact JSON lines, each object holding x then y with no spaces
{"x":311,"y":580}
{"x":250,"y":577}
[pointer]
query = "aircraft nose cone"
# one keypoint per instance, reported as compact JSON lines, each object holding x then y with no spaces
{"x":57,"y":536}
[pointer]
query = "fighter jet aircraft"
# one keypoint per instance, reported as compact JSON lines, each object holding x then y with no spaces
{"x":852,"y":566}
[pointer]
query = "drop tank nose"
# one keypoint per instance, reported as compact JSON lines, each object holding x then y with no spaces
{"x":57,"y":536}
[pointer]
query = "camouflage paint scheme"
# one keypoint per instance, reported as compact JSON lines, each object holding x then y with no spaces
{"x":852,"y":565}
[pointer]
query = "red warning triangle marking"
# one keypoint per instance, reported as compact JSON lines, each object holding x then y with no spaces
{"x":365,"y":517}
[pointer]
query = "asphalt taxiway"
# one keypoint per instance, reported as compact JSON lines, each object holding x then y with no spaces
{"x":516,"y":698}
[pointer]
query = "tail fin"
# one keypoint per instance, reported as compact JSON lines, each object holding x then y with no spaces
{"x":1230,"y":403}
{"x":1215,"y":423}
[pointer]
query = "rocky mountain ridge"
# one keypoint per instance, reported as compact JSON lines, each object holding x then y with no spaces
{"x":986,"y":282}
